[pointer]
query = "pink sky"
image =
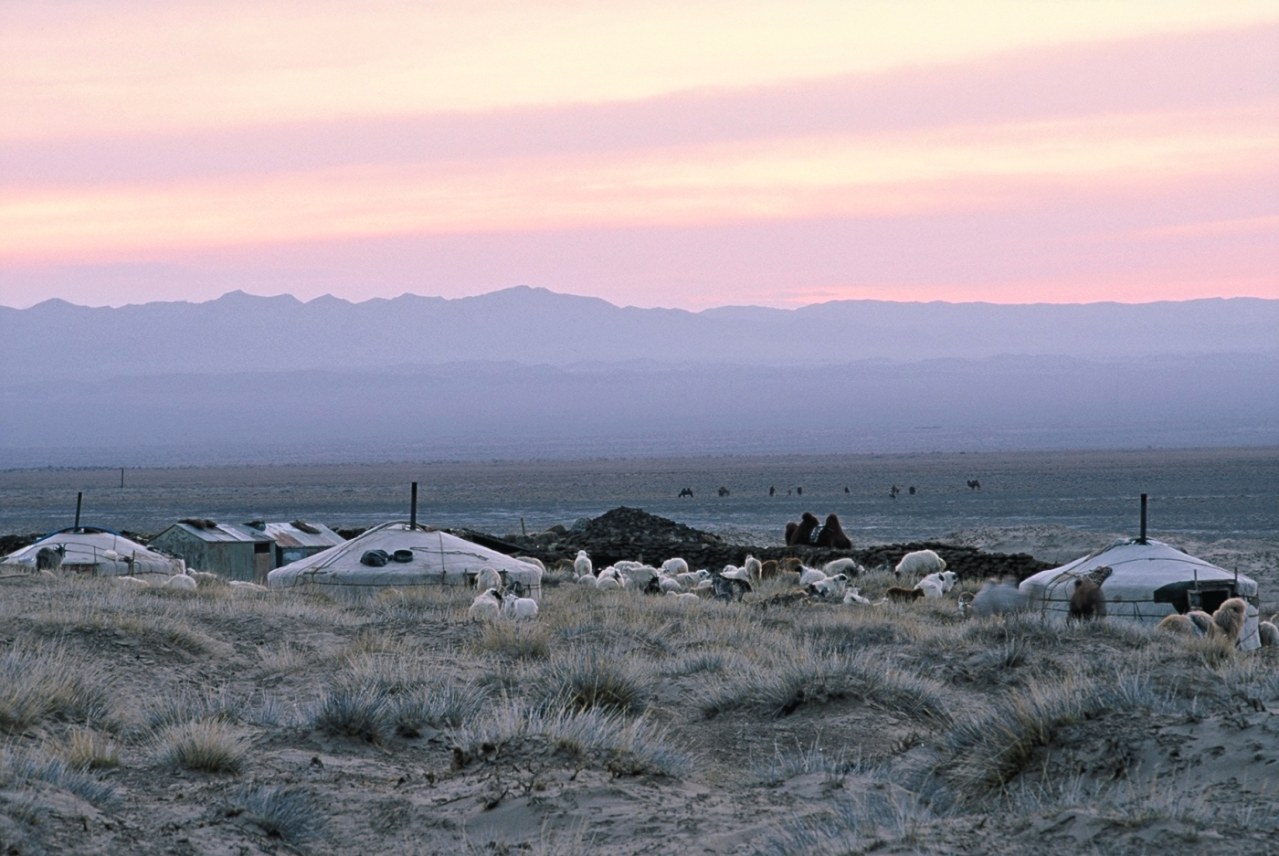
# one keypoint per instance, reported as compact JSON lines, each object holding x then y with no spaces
{"x":689,"y":154}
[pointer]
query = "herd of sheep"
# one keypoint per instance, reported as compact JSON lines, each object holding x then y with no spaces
{"x":831,"y":583}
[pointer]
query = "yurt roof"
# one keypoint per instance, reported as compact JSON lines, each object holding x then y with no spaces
{"x":1149,"y":580}
{"x":100,"y":551}
{"x":427,"y":556}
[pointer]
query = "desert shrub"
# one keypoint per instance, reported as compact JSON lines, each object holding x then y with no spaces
{"x":204,"y":745}
{"x":186,"y":704}
{"x":87,"y":749}
{"x":288,"y":813}
{"x":447,"y":705}
{"x":514,"y":640}
{"x":816,"y":678}
{"x":598,"y":739}
{"x":354,"y":709}
{"x":39,"y":681}
{"x":19,"y":770}
{"x":583,"y":679}
{"x":991,"y":747}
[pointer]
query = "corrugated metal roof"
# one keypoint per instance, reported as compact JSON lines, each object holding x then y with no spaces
{"x":224,"y":532}
{"x":289,"y":535}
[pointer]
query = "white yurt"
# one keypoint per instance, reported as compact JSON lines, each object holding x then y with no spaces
{"x":1149,"y":580}
{"x":97,"y":552}
{"x":401,"y":555}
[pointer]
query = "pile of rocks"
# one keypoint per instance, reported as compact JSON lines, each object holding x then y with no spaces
{"x":632,"y":533}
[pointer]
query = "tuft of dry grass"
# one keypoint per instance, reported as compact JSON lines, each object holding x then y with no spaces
{"x":203,"y":745}
{"x":87,"y":749}
{"x":40,"y":682}
{"x":583,"y":679}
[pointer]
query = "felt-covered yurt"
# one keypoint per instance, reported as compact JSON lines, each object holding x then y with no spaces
{"x":1149,"y":580}
{"x":95,"y":551}
{"x":400,"y":555}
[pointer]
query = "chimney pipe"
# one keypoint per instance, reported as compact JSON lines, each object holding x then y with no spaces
{"x":413,"y":508}
{"x":1142,"y":538}
{"x":78,"y":496}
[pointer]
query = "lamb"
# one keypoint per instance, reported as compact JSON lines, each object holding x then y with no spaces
{"x":520,"y":607}
{"x":486,"y":606}
{"x":936,"y":585}
{"x":487,"y":578}
{"x":754,"y":567}
{"x":831,"y":588}
{"x":920,"y":563}
{"x":998,"y":597}
{"x":205,"y":579}
{"x":246,"y":587}
{"x":50,"y":558}
{"x":130,"y":582}
{"x":637,"y":575}
{"x":181,"y":582}
{"x":854,"y":596}
{"x":732,"y":572}
{"x":582,"y":564}
{"x":683,"y":596}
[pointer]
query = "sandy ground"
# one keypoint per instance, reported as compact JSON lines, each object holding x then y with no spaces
{"x":735,"y":728}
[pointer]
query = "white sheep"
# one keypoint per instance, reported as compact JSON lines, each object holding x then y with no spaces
{"x":675,"y":566}
{"x":608,"y":583}
{"x":205,"y":579}
{"x":754,"y":567}
{"x":488,"y":578}
{"x":844,"y":565}
{"x":808,"y":576}
{"x":624,"y":565}
{"x":520,"y":607}
{"x":691,"y":579}
{"x":920,"y":563}
{"x":1268,"y":633}
{"x":854,"y":596}
{"x":937,"y":584}
{"x":130,"y":582}
{"x":246,"y":587}
{"x":182,"y":582}
{"x":831,"y":588}
{"x":732,"y":572}
{"x":637,"y":574}
{"x":582,"y":565}
{"x":999,"y":598}
{"x":669,"y":584}
{"x":683,"y":596}
{"x":486,"y":606}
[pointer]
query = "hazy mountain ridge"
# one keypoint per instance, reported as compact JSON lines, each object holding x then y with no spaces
{"x":239,"y":332}
{"x":527,"y":372}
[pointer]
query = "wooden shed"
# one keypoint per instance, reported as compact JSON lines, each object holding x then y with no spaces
{"x":235,"y":552}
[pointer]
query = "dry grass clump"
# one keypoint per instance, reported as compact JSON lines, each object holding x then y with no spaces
{"x":815,"y":678}
{"x":514,"y":640}
{"x":512,"y":734}
{"x":203,"y":745}
{"x":89,"y":749}
{"x":358,"y":709}
{"x":582,"y":679}
{"x":991,"y":747}
{"x":21,"y":769}
{"x":290,"y":814}
{"x":41,"y":681}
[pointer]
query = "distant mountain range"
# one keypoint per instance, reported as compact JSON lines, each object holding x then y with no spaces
{"x":526,"y":371}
